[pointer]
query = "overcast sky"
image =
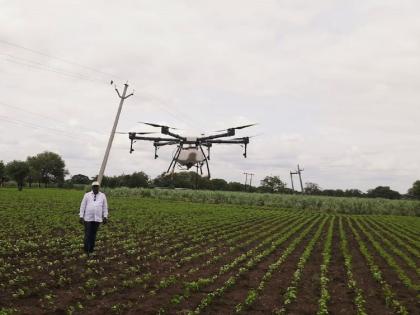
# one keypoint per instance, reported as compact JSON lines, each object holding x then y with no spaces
{"x":334,"y":85}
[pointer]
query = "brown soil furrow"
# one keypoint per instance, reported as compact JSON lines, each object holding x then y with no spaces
{"x":342,"y":298}
{"x":405,"y":295}
{"x":393,"y":237}
{"x":411,"y":273}
{"x":251,"y":279}
{"x":372,"y":292}
{"x":308,"y":289}
{"x":195,"y":299}
{"x":153,"y":302}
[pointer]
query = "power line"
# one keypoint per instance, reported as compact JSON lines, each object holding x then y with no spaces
{"x":166,"y":109}
{"x":49,"y":118}
{"x":58,"y":58}
{"x":40,"y":66}
{"x":32,"y":125}
{"x":76,"y":75}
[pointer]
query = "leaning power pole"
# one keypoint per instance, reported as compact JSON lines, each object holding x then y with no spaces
{"x":291,"y":180}
{"x":111,"y":137}
{"x":298,"y":172}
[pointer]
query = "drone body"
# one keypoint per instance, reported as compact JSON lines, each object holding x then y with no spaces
{"x":190,"y":156}
{"x":189,"y":150}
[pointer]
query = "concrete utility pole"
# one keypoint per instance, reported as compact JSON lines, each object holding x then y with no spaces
{"x":111,"y":137}
{"x":291,"y":180}
{"x":250,"y":181}
{"x":246,"y":179}
{"x":298,"y":172}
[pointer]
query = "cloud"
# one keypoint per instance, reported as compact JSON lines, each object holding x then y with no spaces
{"x":333,"y":85}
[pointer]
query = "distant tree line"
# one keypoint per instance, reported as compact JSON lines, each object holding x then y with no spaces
{"x":48,"y":168}
{"x":43,"y":169}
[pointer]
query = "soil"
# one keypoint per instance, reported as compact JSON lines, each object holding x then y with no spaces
{"x":148,"y":299}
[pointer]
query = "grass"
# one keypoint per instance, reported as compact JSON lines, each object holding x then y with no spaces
{"x":332,"y":205}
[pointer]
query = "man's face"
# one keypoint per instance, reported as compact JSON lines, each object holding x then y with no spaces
{"x":95,"y":189}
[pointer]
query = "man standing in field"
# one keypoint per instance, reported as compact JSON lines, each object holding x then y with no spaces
{"x":93,"y":211}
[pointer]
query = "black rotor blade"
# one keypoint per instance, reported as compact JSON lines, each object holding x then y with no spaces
{"x":156,"y":125}
{"x":239,"y":127}
{"x":245,"y":126}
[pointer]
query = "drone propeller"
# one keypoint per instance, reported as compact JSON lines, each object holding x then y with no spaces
{"x":139,"y":133}
{"x":157,"y":125}
{"x":239,"y":127}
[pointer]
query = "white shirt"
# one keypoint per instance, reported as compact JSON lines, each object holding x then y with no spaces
{"x":94,"y":208}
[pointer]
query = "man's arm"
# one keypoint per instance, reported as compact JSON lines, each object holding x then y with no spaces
{"x":83,"y":207}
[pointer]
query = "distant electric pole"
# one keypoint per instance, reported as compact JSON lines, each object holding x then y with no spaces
{"x":291,"y":179}
{"x":298,"y":172}
{"x":250,"y":181}
{"x":246,"y":179}
{"x":111,"y":137}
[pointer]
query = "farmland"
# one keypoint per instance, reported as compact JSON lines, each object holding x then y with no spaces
{"x":160,"y":255}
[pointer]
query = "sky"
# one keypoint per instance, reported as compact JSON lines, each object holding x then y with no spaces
{"x":333,"y":85}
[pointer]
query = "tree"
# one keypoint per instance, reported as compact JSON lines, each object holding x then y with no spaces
{"x":312,"y":189}
{"x":235,"y":186}
{"x":137,"y":179}
{"x":80,"y":179}
{"x":218,"y":184}
{"x":2,"y":173}
{"x":353,"y":193}
{"x":184,"y":180}
{"x":414,"y":191}
{"x":18,"y":171}
{"x":272,"y":184}
{"x":48,"y":167}
{"x":383,"y":192}
{"x":190,"y":180}
{"x":163,"y":180}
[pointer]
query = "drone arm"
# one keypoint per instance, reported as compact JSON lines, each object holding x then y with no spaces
{"x":165,"y":131}
{"x":243,"y":141}
{"x":133,"y":136}
{"x":239,"y":141}
{"x":161,"y":144}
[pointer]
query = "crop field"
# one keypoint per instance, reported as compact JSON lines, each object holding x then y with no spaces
{"x":176,"y":257}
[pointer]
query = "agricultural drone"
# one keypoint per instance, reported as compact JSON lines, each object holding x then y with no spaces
{"x":189,"y":150}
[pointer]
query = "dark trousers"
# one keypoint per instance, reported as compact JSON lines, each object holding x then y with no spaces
{"x":90,"y":235}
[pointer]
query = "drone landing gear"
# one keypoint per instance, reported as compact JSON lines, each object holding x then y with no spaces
{"x":206,"y":161}
{"x":173,"y":162}
{"x":131,"y":146}
{"x":156,"y":148}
